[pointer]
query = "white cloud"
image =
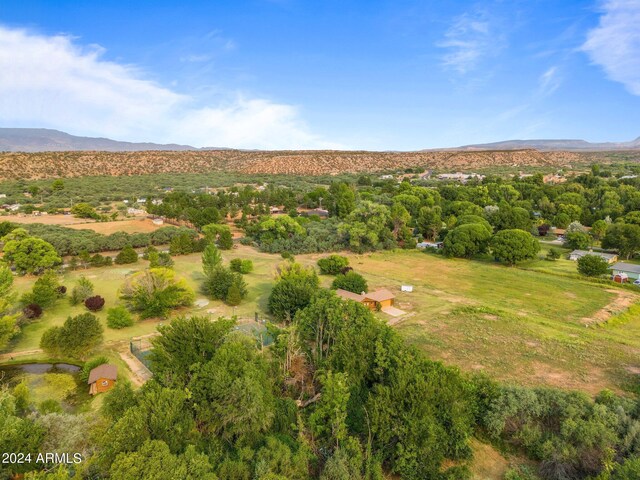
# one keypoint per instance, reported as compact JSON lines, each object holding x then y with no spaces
{"x":51,"y":81}
{"x":549,"y":81}
{"x":615,"y":43}
{"x":470,"y":39}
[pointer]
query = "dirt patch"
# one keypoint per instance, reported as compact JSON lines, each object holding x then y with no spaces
{"x":65,"y":220}
{"x":544,"y":373}
{"x":487,"y":462}
{"x":128,"y":226}
{"x":623,"y":300}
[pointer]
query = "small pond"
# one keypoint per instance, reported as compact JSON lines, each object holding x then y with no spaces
{"x":59,"y":382}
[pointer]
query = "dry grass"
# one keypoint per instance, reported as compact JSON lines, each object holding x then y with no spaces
{"x":140,"y":225}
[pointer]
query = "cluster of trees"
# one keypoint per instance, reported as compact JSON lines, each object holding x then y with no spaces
{"x":28,"y":254}
{"x":381,"y":215}
{"x":76,"y":338}
{"x":222,"y":282}
{"x":69,"y":241}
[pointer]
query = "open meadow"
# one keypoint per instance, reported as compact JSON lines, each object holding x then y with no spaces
{"x":517,"y":324}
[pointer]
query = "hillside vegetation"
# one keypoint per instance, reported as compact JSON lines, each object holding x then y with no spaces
{"x":77,"y":164}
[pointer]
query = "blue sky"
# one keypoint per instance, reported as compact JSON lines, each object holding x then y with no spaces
{"x":293,"y":74}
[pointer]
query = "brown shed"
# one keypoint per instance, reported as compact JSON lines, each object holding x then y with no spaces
{"x":102,"y":378}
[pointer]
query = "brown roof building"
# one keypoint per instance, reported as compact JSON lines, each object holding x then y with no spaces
{"x":377,"y":300}
{"x":102,"y":378}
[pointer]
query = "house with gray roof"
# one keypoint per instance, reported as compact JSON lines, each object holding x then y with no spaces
{"x":631,"y":270}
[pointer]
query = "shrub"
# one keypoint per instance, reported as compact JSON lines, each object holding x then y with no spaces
{"x":351,"y":281}
{"x":333,"y":264}
{"x":219,"y":282}
{"x":44,"y":291}
{"x":155,"y":292}
{"x":76,"y":338}
{"x":127,"y":255}
{"x":31,"y":311}
{"x":119,"y":317}
{"x":239,"y":265}
{"x":94,"y":303}
{"x":553,"y":254}
{"x":62,"y":291}
{"x":81,"y":291}
{"x":592,"y":266}
{"x":234,"y":295}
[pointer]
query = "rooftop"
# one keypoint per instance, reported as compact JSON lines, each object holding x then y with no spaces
{"x":626,"y":267}
{"x":103,"y":371}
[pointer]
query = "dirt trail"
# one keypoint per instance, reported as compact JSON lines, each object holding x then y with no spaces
{"x":23,"y":353}
{"x":624,"y":299}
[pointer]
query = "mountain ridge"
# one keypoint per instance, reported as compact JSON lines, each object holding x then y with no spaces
{"x":35,"y":140}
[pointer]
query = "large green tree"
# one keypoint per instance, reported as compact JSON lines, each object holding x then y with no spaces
{"x":30,"y":255}
{"x":512,"y":246}
{"x":623,"y":237}
{"x":293,"y":290}
{"x":466,"y":240}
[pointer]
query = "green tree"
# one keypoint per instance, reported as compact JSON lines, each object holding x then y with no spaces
{"x":154,"y":292}
{"x":430,"y":222}
{"x":30,"y":255}
{"x":218,"y":283}
{"x":512,"y":246}
{"x":599,"y":229}
{"x":577,"y":240}
{"x":234,"y":295}
{"x":241,"y":265}
{"x":127,"y":255}
{"x":45,"y":291}
{"x":211,"y":259}
{"x":82,"y":290}
{"x":623,"y":237}
{"x":293,"y":290}
{"x":232,"y":393}
{"x":342,"y":199}
{"x":329,"y":417}
{"x":84,"y":210}
{"x":466,"y":240}
{"x":350,"y":281}
{"x":184,"y":345}
{"x":333,"y":264}
{"x":592,"y":266}
{"x":119,"y":317}
{"x":8,"y":319}
{"x":219,"y":234}
{"x":77,"y":337}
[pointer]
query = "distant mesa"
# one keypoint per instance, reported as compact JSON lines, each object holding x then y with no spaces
{"x":32,"y":140}
{"x":553,"y":145}
{"x":48,"y":140}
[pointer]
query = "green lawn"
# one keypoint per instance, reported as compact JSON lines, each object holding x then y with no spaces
{"x":522,"y":324}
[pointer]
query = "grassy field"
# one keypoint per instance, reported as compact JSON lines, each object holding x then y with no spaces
{"x":526,"y":325}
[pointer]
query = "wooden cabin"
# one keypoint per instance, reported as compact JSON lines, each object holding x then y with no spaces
{"x":377,"y":300}
{"x":102,"y":378}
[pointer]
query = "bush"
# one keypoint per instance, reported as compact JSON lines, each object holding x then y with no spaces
{"x":553,"y":254}
{"x":241,"y":266}
{"x":31,"y":311}
{"x":592,"y":266}
{"x":119,"y":317}
{"x":94,"y":303}
{"x":155,"y":292}
{"x":127,"y":255}
{"x":44,"y":291}
{"x":76,"y":338}
{"x":219,"y":282}
{"x":62,"y":291}
{"x":81,"y":291}
{"x":333,"y":264}
{"x":351,"y":281}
